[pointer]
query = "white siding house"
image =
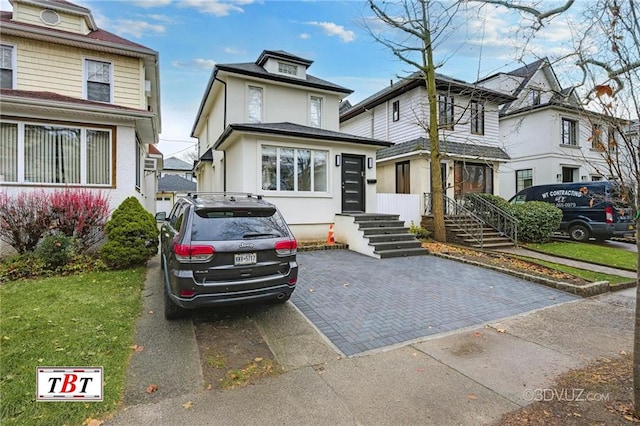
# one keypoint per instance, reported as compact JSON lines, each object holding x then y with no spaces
{"x":468,"y":128}
{"x":549,"y":137}
{"x":270,"y":128}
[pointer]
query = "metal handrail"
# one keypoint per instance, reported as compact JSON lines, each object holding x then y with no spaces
{"x":462,"y":217}
{"x":493,"y":215}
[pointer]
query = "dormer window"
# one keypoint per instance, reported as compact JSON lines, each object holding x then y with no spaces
{"x":49,"y":17}
{"x":286,"y":68}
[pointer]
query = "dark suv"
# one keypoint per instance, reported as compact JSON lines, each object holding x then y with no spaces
{"x":224,"y":249}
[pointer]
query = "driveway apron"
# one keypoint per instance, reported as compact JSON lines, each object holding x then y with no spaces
{"x":361,"y":304}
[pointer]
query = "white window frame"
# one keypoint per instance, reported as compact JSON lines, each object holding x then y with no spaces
{"x":85,"y":78}
{"x":295,"y":191}
{"x":262,"y":103}
{"x":320,"y":100}
{"x":285,"y":68}
{"x":14,"y":64}
{"x":83,"y":153}
{"x":572,"y":136}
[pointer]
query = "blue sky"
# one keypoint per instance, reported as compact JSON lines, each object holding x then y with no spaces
{"x":191,"y":36}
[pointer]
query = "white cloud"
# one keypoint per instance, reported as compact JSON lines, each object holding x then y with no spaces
{"x":160,"y":18}
{"x":136,"y":28}
{"x":233,"y":51}
{"x":332,"y":29}
{"x":151,"y":3}
{"x":216,"y":7}
{"x":304,"y":36}
{"x":198,"y":64}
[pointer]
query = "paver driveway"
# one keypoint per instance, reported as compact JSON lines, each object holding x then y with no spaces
{"x":361,"y":303}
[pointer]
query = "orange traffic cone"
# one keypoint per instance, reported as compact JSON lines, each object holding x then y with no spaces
{"x":330,"y":238}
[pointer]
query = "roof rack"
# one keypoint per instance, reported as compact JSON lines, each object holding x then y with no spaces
{"x":232,"y":195}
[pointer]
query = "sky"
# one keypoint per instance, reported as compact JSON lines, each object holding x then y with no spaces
{"x":191,"y":36}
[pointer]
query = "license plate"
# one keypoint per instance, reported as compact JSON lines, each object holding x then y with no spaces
{"x":245,"y":259}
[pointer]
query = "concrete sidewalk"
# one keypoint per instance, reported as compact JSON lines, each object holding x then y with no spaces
{"x":471,"y":376}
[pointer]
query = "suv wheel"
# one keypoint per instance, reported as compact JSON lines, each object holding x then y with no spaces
{"x":579,"y":233}
{"x":171,"y":310}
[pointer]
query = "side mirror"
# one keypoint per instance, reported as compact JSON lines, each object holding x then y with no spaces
{"x":161,"y":216}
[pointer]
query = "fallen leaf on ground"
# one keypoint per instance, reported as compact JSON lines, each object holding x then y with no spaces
{"x":187,"y":405}
{"x":92,"y":422}
{"x":137,"y":348}
{"x":477,"y":334}
{"x":501,"y":330}
{"x":420,"y":370}
{"x":152,"y":388}
{"x":472,"y":397}
{"x":209,"y":387}
{"x":150,"y":312}
{"x":258,"y":359}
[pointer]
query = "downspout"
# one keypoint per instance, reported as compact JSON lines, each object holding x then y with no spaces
{"x":224,"y":127}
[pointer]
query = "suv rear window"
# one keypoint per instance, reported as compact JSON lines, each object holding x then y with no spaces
{"x":237,"y":224}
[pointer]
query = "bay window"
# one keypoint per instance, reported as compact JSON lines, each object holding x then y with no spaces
{"x":55,"y":154}
{"x":294,"y":169}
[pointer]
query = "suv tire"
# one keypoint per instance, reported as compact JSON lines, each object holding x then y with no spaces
{"x":579,"y":233}
{"x":171,"y":310}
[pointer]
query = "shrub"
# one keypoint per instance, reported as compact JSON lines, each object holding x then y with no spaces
{"x":537,"y":220}
{"x":24,"y":219}
{"x":56,"y":250}
{"x":496,"y":200}
{"x":22,"y":266}
{"x":80,"y":213}
{"x":420,"y":232}
{"x":132,"y":235}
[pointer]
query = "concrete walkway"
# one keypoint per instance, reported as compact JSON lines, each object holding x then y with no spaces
{"x":470,"y":376}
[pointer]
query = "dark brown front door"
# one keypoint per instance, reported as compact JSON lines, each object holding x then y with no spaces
{"x":352,"y":183}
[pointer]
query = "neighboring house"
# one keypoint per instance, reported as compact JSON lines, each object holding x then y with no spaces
{"x":270,"y":128}
{"x":549,"y":136}
{"x":80,"y":105}
{"x":175,"y":179}
{"x":468,"y":128}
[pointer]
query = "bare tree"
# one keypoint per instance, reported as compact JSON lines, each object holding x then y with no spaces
{"x":608,"y":56}
{"x":417,"y":26}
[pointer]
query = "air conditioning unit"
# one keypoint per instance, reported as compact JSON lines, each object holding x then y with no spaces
{"x":151,"y":164}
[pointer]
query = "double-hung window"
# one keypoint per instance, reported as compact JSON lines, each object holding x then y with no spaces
{"x":7,"y":66}
{"x":477,"y":117}
{"x":524,"y":179}
{"x":98,"y":82}
{"x":315,"y":111}
{"x":596,"y":136}
{"x":294,"y":169}
{"x":34,"y":153}
{"x":569,"y":132}
{"x":446,"y":111}
{"x":255,"y":104}
{"x":285,"y":68}
{"x":396,"y":111}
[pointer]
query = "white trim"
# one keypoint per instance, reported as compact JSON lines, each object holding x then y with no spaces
{"x":51,"y":24}
{"x":85,"y":77}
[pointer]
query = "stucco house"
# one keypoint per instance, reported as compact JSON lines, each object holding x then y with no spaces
{"x":271,"y":128}
{"x":546,"y":132}
{"x":469,"y":135}
{"x":80,"y":105}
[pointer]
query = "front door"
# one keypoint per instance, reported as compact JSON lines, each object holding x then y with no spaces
{"x":352,"y":183}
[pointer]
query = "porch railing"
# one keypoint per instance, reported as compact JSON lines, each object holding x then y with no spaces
{"x":456,"y":212}
{"x":493,"y":215}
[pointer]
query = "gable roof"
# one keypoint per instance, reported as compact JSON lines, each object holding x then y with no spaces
{"x":298,"y":131}
{"x":173,"y":163}
{"x":175,"y":183}
{"x":451,"y":148}
{"x":416,"y":79}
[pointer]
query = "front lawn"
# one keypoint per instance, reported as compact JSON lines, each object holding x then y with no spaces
{"x":591,"y":276}
{"x":82,"y":320}
{"x":593,"y":253}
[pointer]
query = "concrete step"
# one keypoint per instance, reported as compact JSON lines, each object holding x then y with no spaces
{"x":401,"y":253}
{"x":368,"y":217}
{"x":494,"y":245}
{"x":380,"y":224}
{"x":383,"y":238}
{"x":396,"y":245}
{"x":384,"y":230}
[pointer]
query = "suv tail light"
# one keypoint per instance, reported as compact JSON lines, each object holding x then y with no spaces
{"x":186,"y":253}
{"x":286,"y":248}
{"x":608,"y":212}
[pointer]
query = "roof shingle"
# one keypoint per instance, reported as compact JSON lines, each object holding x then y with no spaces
{"x":451,"y":148}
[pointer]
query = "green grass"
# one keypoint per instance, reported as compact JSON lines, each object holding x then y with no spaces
{"x":593,"y":253}
{"x":81,"y":320}
{"x":590,"y":276}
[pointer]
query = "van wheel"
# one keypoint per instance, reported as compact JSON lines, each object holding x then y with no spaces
{"x":171,"y":310}
{"x":579,"y":233}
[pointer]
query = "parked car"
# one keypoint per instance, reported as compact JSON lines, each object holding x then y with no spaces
{"x":589,"y":209}
{"x":224,"y":249}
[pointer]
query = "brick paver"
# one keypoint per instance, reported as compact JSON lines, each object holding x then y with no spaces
{"x":361,"y":303}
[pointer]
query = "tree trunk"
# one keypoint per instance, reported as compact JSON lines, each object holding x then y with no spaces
{"x":636,"y":333}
